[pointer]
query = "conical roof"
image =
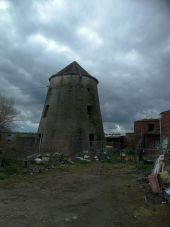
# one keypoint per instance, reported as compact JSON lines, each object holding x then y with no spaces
{"x":73,"y":69}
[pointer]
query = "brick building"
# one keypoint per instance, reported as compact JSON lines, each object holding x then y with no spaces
{"x":147,"y":126}
{"x":146,"y":135}
{"x":149,"y":131}
{"x":117,"y":141}
{"x":165,"y":129}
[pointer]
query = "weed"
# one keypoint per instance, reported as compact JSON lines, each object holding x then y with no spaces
{"x":3,"y":176}
{"x":141,"y":167}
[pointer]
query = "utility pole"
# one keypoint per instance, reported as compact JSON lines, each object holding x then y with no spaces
{"x":160,"y":125}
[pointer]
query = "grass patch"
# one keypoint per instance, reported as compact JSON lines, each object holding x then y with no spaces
{"x":3,"y":176}
{"x":12,"y":167}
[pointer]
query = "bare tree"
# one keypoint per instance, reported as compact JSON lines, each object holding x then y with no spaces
{"x":7,"y":112}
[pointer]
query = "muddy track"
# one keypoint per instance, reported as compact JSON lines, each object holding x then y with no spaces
{"x":91,"y":195}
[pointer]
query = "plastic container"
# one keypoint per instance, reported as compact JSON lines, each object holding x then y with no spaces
{"x":167,"y":195}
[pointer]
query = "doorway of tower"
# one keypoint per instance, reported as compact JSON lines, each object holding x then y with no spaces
{"x":91,"y":139}
{"x":40,"y":139}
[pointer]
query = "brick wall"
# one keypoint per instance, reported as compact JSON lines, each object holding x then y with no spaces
{"x":145,"y":126}
{"x":165,"y":124}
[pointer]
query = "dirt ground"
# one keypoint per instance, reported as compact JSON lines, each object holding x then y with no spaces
{"x":98,"y":195}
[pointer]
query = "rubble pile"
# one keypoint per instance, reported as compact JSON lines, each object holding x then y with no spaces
{"x":149,"y":196}
{"x":47,"y":161}
{"x":156,"y":185}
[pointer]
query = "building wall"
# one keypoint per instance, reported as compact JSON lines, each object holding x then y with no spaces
{"x":116,"y":141}
{"x":146,"y":135}
{"x":165,"y":124}
{"x":73,"y":114}
{"x":131,"y":140}
{"x":145,"y":126}
{"x":17,"y":144}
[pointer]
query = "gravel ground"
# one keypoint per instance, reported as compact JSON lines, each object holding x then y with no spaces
{"x":97,"y":195}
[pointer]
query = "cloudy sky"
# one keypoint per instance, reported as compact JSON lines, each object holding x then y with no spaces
{"x":125,"y":44}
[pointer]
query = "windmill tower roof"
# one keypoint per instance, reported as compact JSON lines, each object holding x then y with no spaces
{"x":73,"y":69}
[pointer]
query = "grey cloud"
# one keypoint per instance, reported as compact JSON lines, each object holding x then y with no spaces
{"x":125,"y":44}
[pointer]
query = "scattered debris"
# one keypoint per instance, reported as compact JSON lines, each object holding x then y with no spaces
{"x":165,"y":177}
{"x":71,"y":219}
{"x":81,"y":159}
{"x":38,"y":160}
{"x":33,"y":157}
{"x":96,"y":158}
{"x":149,"y":196}
{"x":123,"y":156}
{"x":167,"y":195}
{"x":159,"y":165}
{"x":157,"y":184}
{"x":154,"y":182}
{"x":103,"y":156}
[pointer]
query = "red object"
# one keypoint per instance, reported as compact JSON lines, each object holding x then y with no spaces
{"x":154,"y":183}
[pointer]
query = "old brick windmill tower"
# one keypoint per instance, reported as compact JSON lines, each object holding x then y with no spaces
{"x":71,"y":120}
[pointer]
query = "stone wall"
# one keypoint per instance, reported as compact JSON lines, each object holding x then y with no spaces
{"x":71,"y":115}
